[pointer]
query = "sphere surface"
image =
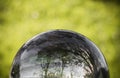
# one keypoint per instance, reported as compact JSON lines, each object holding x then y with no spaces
{"x":59,"y":54}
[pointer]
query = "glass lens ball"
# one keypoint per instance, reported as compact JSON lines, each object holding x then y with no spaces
{"x":59,"y":54}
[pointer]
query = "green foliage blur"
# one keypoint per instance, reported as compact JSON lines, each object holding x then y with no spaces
{"x":99,"y":20}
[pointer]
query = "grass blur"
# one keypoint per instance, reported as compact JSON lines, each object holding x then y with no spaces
{"x":22,"y":19}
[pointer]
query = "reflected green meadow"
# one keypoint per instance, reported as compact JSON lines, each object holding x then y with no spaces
{"x":99,"y":20}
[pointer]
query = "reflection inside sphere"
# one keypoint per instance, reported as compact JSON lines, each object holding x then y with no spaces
{"x":59,"y":64}
{"x":59,"y":54}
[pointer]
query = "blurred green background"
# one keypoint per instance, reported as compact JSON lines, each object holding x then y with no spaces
{"x":99,"y":20}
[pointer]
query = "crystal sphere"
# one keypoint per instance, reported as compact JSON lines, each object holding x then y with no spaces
{"x":59,"y":54}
